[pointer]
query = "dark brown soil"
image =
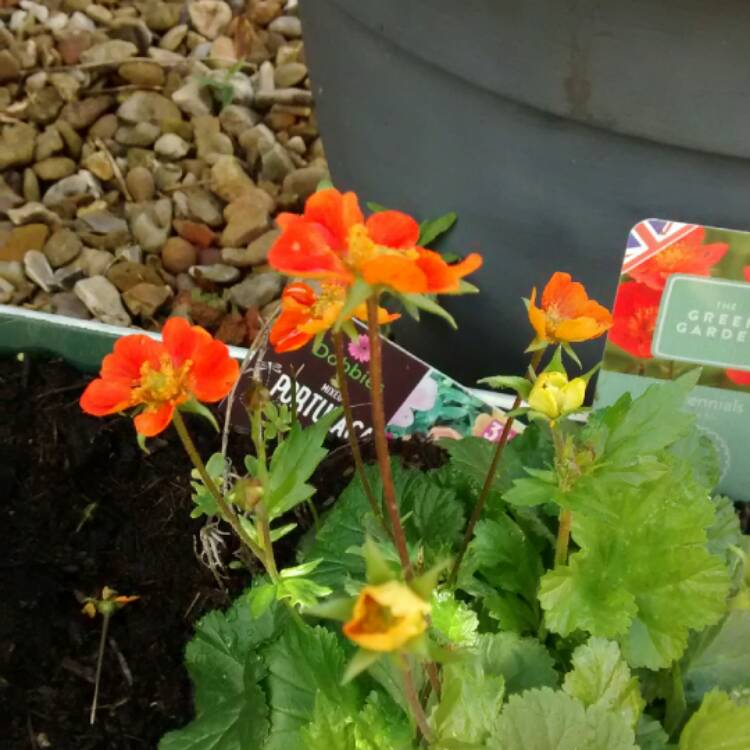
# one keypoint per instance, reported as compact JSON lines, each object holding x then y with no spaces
{"x":82,"y":507}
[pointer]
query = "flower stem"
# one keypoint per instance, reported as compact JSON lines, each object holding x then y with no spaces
{"x":229,"y":515}
{"x":343,"y":383}
{"x":412,"y":699}
{"x":99,"y":660}
{"x":381,"y":442}
{"x":269,"y":559}
{"x":566,"y":516}
{"x":489,"y":480}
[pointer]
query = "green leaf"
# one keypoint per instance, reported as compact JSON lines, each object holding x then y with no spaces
{"x":653,"y":421}
{"x":719,"y":724}
{"x":293,"y":462}
{"x":469,"y":707}
{"x":600,"y":677}
{"x":524,"y":663}
{"x":531,"y":491}
{"x":545,"y":719}
{"x":650,"y":734}
{"x":503,"y":555}
{"x":193,"y":406}
{"x":380,"y":724}
{"x":376,"y":208}
{"x":508,"y":382}
{"x":203,"y":499}
{"x":437,"y":515}
{"x":643,"y":574}
{"x":719,"y":657}
{"x":301,"y":592}
{"x":222,"y":660}
{"x":725,"y":531}
{"x":471,"y":457}
{"x":698,"y":450}
{"x":428,"y":304}
{"x":431,"y":229}
{"x":303,"y":663}
{"x":261,"y":598}
{"x":455,"y":623}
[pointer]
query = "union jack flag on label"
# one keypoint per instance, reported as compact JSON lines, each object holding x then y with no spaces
{"x":650,"y":237}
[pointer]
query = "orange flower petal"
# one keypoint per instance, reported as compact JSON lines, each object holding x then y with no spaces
{"x":153,"y":421}
{"x":298,"y":295}
{"x":360,"y":312}
{"x":285,"y":335}
{"x":303,"y":250}
{"x":441,"y":277}
{"x":397,"y":272}
{"x":393,"y":229}
{"x":103,"y":397}
{"x":579,"y":329}
{"x":335,"y":211}
{"x":129,"y":353}
{"x":181,"y":339}
{"x":214,"y":372}
{"x":746,"y":273}
{"x":537,"y":318}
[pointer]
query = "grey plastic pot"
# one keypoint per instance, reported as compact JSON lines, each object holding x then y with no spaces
{"x":550,"y":126}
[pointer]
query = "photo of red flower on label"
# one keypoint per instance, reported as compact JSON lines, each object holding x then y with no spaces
{"x":635,"y":312}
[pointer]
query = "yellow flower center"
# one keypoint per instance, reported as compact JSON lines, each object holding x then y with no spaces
{"x":330,"y":295}
{"x":361,"y":248}
{"x":164,"y":383}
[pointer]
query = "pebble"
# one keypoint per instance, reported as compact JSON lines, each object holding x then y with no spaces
{"x":17,"y":143}
{"x":254,"y":254}
{"x":75,"y":187}
{"x":276,"y":164}
{"x":193,"y":99}
{"x":178,"y":255}
{"x":38,"y":269}
{"x":99,"y":165}
{"x":7,"y":291}
{"x":288,"y":26}
{"x":174,"y":38}
{"x":140,"y":183}
{"x":48,"y":143}
{"x":66,"y":303}
{"x":102,"y":300}
{"x":23,"y":239}
{"x":218,"y":273}
{"x":194,"y":233}
{"x":83,"y":113}
{"x":112,"y":51}
{"x":150,"y":223}
{"x":148,"y":106}
{"x":171,"y":146}
{"x":54,"y":168}
{"x":228,"y":179}
{"x":127,"y":274}
{"x":203,"y":207}
{"x":10,"y":68}
{"x":289,"y":75}
{"x":142,"y":73}
{"x":209,"y":17}
{"x":257,"y":290}
{"x":33,"y":213}
{"x":62,"y":247}
{"x":12,"y":272}
{"x":145,"y":300}
{"x":247,"y":218}
{"x":93,"y":262}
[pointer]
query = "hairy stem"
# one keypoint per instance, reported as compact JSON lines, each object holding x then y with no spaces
{"x":381,"y":442}
{"x":412,"y":699}
{"x":343,"y":383}
{"x":99,"y":661}
{"x":566,"y":516}
{"x":489,"y":480}
{"x":229,"y":515}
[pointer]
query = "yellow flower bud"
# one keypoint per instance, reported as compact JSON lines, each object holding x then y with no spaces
{"x":555,"y":396}
{"x":386,"y":617}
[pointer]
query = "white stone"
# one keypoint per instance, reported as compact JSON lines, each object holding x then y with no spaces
{"x":171,"y":146}
{"x":38,"y":269}
{"x":102,"y":300}
{"x":209,"y":17}
{"x":81,"y":22}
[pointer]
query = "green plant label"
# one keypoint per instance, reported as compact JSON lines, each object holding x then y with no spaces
{"x":704,"y":320}
{"x":684,"y":302}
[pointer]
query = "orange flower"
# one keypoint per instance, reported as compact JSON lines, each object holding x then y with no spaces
{"x":567,"y":314}
{"x":158,"y":377}
{"x":333,"y":241}
{"x":305,"y":314}
{"x":386,"y":617}
{"x":687,"y":255}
